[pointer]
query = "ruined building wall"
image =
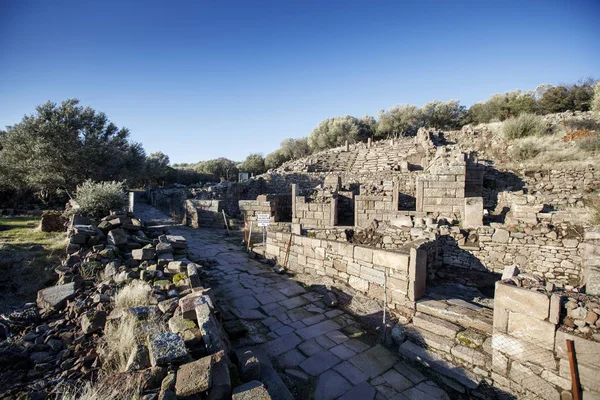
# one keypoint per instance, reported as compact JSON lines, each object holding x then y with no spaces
{"x":402,"y":273}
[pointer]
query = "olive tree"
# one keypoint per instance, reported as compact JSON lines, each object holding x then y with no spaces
{"x":335,"y":131}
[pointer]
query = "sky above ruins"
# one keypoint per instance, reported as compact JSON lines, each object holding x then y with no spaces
{"x":199,"y":80}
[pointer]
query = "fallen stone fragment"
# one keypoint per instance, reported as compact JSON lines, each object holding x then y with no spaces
{"x":143,"y":254}
{"x":166,"y":347}
{"x":248,"y":365}
{"x":93,"y":321}
{"x":220,"y":386}
{"x":55,"y":297}
{"x":253,"y":390}
{"x":117,"y":237}
{"x":139,"y":358}
{"x":330,"y":299}
{"x":194,"y":377}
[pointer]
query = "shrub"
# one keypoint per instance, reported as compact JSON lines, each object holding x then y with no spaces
{"x":101,"y":390}
{"x":96,"y":199}
{"x":595,"y":103}
{"x":525,"y":125}
{"x":525,"y":151}
{"x":574,"y":124}
{"x":594,"y":210}
{"x":137,"y":293}
{"x":590,"y":144}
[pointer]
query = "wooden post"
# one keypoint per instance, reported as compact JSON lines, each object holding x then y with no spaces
{"x":225,"y":219}
{"x":287,"y":252}
{"x":574,"y":375}
{"x":249,"y":242}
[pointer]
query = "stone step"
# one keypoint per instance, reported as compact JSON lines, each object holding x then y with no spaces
{"x":436,"y":325}
{"x":429,"y":359}
{"x":481,"y":320}
{"x":429,"y":339}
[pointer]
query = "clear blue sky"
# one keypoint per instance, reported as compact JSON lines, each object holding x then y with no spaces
{"x":203,"y":79}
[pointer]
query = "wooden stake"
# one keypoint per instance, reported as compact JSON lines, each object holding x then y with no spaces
{"x":574,"y":375}
{"x":249,"y":242}
{"x":287,"y":252}
{"x":225,"y":219}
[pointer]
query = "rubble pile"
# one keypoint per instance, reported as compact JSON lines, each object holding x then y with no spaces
{"x":581,"y":315}
{"x":59,"y":342}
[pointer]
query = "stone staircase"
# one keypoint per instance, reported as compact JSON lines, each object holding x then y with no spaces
{"x":453,"y":338}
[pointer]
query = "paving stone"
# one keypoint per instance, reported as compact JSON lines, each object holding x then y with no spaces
{"x":313,"y":320}
{"x":333,"y":313}
{"x":386,"y":390}
{"x":294,"y":302}
{"x":331,"y":385}
{"x":310,"y":347}
{"x":298,"y":314}
{"x":342,"y":352}
{"x":356,"y":345}
{"x":284,"y":330}
{"x":297,"y":375}
{"x":409,"y":372}
{"x":273,"y":309}
{"x":270,"y":321}
{"x":277,"y":295}
{"x":350,"y":372}
{"x":245,"y":313}
{"x":317,"y":330}
{"x":337,"y":336}
{"x":298,"y":325}
{"x":425,"y":391}
{"x":291,"y":359}
{"x":253,"y":390}
{"x":362,"y":391}
{"x":246,"y":302}
{"x":374,"y":361}
{"x":265,"y":298}
{"x":282,"y":345}
{"x":292,"y":289}
{"x":320,"y":362}
{"x":325,"y":342}
{"x":397,"y":380}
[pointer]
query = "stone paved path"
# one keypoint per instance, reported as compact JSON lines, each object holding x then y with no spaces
{"x":303,"y":338}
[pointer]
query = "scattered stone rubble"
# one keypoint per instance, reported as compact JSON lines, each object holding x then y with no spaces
{"x":54,"y":344}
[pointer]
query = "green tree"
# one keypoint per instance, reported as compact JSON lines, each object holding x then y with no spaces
{"x":403,"y":120}
{"x":443,"y":114}
{"x":334,"y":132}
{"x":60,"y":146}
{"x":220,"y":168}
{"x":157,"y":167}
{"x":254,"y":164}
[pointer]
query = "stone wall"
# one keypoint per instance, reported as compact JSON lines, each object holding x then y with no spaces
{"x":251,"y":208}
{"x":398,"y":275}
{"x":204,"y":213}
{"x":315,"y":214}
{"x":529,"y":355}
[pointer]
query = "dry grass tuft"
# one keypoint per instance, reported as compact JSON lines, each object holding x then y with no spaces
{"x":136,"y":293}
{"x":594,"y":210}
{"x":100,"y":391}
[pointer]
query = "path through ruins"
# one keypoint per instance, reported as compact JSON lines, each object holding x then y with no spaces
{"x":317,"y":348}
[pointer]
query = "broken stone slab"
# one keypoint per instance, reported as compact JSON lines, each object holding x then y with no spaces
{"x":117,"y":237}
{"x":195,"y":377}
{"x":248,"y":365}
{"x":146,"y":253}
{"x":220,"y":386}
{"x":253,"y":390}
{"x":436,"y":325}
{"x":164,"y":259}
{"x":510,"y":271}
{"x":93,"y":321}
{"x":175,"y":267}
{"x":209,"y":328}
{"x":193,"y":275}
{"x":177,"y":242}
{"x":56,"y":297}
{"x":165,"y":348}
{"x":138,"y":359}
{"x":187,"y":304}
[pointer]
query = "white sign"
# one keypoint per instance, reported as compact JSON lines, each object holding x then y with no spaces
{"x":264,"y":219}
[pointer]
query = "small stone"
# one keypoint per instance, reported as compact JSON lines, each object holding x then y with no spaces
{"x":510,"y":271}
{"x":139,"y":359}
{"x":93,"y":321}
{"x":591,"y":317}
{"x":330,"y":299}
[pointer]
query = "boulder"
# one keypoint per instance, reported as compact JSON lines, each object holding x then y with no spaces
{"x":165,"y":348}
{"x":93,"y":321}
{"x":56,"y":297}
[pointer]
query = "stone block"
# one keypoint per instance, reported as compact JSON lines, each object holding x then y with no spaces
{"x":143,"y":254}
{"x":473,"y":215}
{"x":56,"y":297}
{"x":358,"y":283}
{"x":117,"y":237}
{"x":588,"y":375}
{"x":363,"y":254}
{"x":533,"y":330}
{"x":436,"y":325}
{"x":587,"y":351}
{"x":253,"y":390}
{"x":372,"y":275}
{"x":195,"y":377}
{"x":523,"y":351}
{"x":165,"y":348}
{"x":220,"y":385}
{"x":555,"y":306}
{"x":417,"y":274}
{"x":528,"y":302}
{"x":391,"y":259}
{"x":528,"y":379}
{"x":500,"y":236}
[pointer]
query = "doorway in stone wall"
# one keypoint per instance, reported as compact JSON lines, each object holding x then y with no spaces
{"x":345,"y":209}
